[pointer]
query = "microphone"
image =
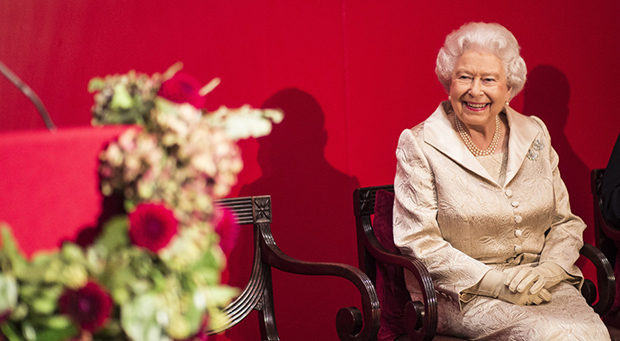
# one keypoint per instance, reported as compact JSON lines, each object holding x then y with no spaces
{"x":26,"y":90}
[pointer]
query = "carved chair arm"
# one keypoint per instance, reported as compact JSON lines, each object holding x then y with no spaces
{"x":249,"y":298}
{"x":605,"y":278}
{"x":420,"y":317}
{"x":351,"y":324}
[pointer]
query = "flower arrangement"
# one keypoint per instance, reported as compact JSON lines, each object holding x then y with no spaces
{"x":153,"y":272}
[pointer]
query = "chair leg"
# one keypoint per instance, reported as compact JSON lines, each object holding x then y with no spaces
{"x":266,"y":315}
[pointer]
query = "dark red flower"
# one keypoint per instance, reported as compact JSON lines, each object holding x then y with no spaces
{"x":90,"y":306}
{"x":5,"y":316}
{"x":152,"y":226}
{"x":86,"y":236}
{"x":182,"y":88}
{"x":227,"y":228}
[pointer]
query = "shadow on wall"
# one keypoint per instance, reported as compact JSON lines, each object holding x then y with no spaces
{"x":546,"y":95}
{"x":312,"y":220}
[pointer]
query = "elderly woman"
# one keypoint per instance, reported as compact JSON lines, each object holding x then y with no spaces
{"x":480,"y":201}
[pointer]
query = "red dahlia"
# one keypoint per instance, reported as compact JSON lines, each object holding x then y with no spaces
{"x":182,"y":88}
{"x":152,"y":226}
{"x":90,"y":306}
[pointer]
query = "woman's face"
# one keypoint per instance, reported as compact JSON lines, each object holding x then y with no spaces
{"x":478,"y":90}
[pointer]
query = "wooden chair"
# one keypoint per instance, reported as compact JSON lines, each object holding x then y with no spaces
{"x":605,"y":236}
{"x":351,"y":323}
{"x":420,"y":318}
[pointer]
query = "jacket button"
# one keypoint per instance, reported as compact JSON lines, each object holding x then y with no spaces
{"x":518,"y":233}
{"x":515,"y":203}
{"x":508,"y":193}
{"x":518,"y":249}
{"x":518,"y":219}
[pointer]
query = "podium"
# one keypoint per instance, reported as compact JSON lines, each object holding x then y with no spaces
{"x":49,"y":183}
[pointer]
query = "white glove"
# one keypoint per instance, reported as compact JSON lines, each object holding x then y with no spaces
{"x":492,"y":284}
{"x":543,"y":276}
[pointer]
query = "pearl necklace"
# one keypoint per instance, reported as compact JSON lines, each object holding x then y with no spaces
{"x":470,"y":144}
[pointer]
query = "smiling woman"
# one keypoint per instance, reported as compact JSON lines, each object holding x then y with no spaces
{"x":479,"y":200}
{"x":477,"y":94}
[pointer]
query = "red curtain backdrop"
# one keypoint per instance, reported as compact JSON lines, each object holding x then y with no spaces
{"x":350,"y":75}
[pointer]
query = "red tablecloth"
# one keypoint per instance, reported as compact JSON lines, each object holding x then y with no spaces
{"x":49,"y":186}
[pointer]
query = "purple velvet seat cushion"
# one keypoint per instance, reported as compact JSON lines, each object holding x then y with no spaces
{"x":391,"y":288}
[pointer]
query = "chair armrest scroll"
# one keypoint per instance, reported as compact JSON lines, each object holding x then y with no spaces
{"x":421,"y":319}
{"x":605,"y":278}
{"x":349,"y":325}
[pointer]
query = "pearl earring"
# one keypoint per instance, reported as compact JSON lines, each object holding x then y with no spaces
{"x":507,"y":103}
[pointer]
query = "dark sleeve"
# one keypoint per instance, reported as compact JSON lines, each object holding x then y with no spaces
{"x":610,"y":190}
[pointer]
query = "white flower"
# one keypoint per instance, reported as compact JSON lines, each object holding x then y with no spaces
{"x":205,"y":163}
{"x":188,"y":113}
{"x":139,"y":319}
{"x":246,"y":121}
{"x":276,"y":116}
{"x":113,"y":155}
{"x":187,"y":247}
{"x":127,"y":140}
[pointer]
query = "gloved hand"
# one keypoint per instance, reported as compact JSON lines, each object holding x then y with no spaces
{"x":492,"y":284}
{"x":543,"y":276}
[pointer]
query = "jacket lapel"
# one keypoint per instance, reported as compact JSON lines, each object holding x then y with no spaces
{"x":523,"y":131}
{"x":438,"y":132}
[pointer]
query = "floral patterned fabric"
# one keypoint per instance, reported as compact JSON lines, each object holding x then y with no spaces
{"x":566,"y":317}
{"x":452,"y":214}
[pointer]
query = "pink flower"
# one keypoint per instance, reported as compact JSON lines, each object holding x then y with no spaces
{"x":152,"y":226}
{"x":90,"y":306}
{"x":227,"y":228}
{"x":182,"y":88}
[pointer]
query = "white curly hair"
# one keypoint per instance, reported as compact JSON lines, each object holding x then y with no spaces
{"x":486,"y":37}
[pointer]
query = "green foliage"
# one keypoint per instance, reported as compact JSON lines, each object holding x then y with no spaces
{"x":12,"y":259}
{"x":123,"y":99}
{"x":156,"y":302}
{"x":29,"y":291}
{"x":8,"y":292}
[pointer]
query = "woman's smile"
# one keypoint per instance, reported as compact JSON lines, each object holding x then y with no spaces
{"x":476,"y":106}
{"x":478,"y":90}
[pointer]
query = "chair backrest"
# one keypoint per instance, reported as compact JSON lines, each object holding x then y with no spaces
{"x":380,"y":259}
{"x":364,"y":209}
{"x":604,"y":234}
{"x":251,"y":211}
{"x":351,"y":323}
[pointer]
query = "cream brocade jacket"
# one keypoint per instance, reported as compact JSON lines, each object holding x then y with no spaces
{"x":453,"y":216}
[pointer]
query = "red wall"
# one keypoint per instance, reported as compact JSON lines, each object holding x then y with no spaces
{"x":351,"y":75}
